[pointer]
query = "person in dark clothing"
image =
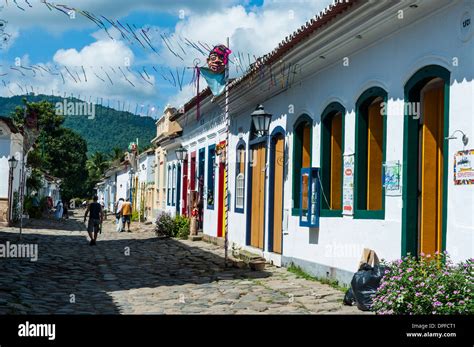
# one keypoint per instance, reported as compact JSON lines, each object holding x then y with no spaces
{"x":96,"y":216}
{"x":65,"y":209}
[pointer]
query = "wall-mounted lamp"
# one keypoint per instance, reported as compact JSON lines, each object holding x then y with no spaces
{"x":464,"y":138}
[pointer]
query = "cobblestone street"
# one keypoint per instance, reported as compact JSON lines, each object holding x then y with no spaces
{"x":138,"y":273}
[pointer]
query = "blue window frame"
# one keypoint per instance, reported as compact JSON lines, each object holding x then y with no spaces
{"x":240,"y":178}
{"x":168,"y":190}
{"x":173,"y":186}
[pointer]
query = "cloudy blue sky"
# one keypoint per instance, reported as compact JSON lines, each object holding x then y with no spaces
{"x":119,"y":70}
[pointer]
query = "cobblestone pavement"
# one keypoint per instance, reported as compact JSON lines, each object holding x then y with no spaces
{"x":138,"y":273}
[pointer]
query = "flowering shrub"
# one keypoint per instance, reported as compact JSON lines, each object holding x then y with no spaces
{"x":429,"y":285}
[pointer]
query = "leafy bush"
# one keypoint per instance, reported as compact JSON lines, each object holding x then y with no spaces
{"x":181,"y":225}
{"x":138,"y":216}
{"x":172,"y":227}
{"x":164,"y":225}
{"x":30,"y":209}
{"x":429,"y":285}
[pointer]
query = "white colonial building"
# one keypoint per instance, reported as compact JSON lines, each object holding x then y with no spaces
{"x":145,"y":188}
{"x":11,"y":145}
{"x":376,"y":96}
{"x":202,"y":178}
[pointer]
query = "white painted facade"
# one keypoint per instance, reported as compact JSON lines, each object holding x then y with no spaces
{"x":106,"y":191}
{"x":145,"y":174}
{"x":123,"y":183}
{"x":11,"y":144}
{"x":390,"y":51}
{"x":51,"y":188}
{"x":199,"y":135}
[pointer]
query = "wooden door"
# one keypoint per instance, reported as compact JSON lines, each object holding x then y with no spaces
{"x":185,"y":187}
{"x":278,"y":167}
{"x":220,"y":207}
{"x":257,"y":212}
{"x":431,"y":168}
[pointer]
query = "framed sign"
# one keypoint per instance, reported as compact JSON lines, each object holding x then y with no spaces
{"x":464,"y":167}
{"x":309,"y":199}
{"x":392,"y":177}
{"x":348,"y":186}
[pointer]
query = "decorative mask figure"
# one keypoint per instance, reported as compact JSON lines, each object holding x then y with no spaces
{"x":218,"y":59}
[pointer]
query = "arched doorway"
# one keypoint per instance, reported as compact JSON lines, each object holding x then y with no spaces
{"x":277,"y":171}
{"x":425,"y":161}
{"x":257,"y":160}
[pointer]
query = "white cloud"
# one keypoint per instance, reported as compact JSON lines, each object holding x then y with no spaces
{"x":99,"y":53}
{"x":253,"y":32}
{"x":40,"y":16}
{"x":183,"y":96}
{"x":101,"y":58}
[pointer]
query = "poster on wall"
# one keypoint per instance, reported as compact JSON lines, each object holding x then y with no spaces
{"x":348,"y":186}
{"x":464,"y":167}
{"x":392,"y":177}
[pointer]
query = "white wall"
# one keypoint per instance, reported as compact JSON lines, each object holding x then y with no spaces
{"x":123,"y":184}
{"x":10,"y":145}
{"x":4,"y":169}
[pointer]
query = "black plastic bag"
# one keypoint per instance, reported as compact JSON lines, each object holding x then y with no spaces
{"x":364,"y":285}
{"x":349,"y":299}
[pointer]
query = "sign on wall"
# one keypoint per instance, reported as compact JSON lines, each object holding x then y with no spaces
{"x":348,"y":186}
{"x":392,"y":177}
{"x":464,"y":167}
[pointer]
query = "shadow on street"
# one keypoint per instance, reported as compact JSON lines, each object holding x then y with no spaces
{"x":68,"y":269}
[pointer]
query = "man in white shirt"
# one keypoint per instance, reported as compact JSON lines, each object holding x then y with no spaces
{"x":118,"y":214}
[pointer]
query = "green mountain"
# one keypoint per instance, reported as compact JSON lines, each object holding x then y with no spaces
{"x":108,"y":129}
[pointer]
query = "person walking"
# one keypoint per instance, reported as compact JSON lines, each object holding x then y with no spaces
{"x":96,"y":216}
{"x":127,"y":214}
{"x":59,"y":210}
{"x":118,"y":215}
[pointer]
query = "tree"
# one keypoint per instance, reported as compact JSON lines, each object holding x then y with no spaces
{"x":96,"y":165}
{"x":66,"y":157}
{"x":58,"y":151}
{"x":117,"y":154}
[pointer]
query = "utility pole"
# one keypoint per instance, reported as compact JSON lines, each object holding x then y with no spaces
{"x":226,"y":178}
